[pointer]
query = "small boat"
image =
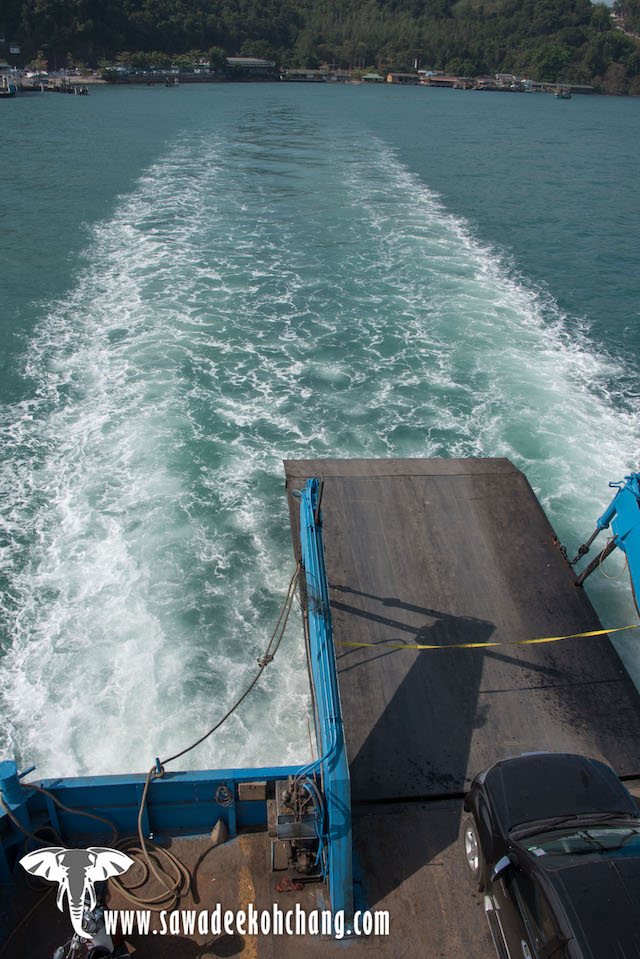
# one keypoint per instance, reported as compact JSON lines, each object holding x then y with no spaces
{"x":563,"y":93}
{"x":8,"y":82}
{"x":7,"y":87}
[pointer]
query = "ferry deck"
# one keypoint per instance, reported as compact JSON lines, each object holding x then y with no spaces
{"x":437,"y":553}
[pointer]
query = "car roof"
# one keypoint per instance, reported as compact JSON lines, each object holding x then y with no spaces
{"x":546,"y":785}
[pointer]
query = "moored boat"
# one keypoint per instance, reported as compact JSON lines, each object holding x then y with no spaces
{"x":8,"y":82}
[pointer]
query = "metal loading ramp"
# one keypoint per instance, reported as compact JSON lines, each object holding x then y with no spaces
{"x":439,"y":552}
{"x":442,"y":552}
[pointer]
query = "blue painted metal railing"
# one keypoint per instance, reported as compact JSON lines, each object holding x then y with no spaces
{"x":332,"y":763}
{"x":623,"y":514}
{"x":179,"y":803}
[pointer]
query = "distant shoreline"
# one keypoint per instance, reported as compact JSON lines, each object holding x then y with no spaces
{"x":54,"y":81}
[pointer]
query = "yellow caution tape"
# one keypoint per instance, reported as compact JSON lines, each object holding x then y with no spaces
{"x":517,"y":642}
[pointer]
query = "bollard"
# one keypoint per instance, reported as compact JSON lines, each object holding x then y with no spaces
{"x":10,"y":788}
{"x":13,"y":795}
{"x":15,"y":799}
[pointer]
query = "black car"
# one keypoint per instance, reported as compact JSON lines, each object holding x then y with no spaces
{"x":553,"y":841}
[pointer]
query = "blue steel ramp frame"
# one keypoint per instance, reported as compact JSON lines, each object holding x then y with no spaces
{"x":623,"y":515}
{"x":332,"y":763}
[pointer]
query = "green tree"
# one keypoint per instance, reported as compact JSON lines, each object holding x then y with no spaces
{"x":552,"y":62}
{"x":455,"y":66}
{"x":600,"y":19}
{"x":38,"y":63}
{"x":217,"y":58}
{"x":615,"y":79}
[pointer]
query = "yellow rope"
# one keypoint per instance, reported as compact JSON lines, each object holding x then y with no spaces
{"x":517,"y":642}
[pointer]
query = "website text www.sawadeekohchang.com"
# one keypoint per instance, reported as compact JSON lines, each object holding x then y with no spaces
{"x":249,"y":922}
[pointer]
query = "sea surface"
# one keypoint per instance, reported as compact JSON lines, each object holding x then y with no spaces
{"x":197,"y":283}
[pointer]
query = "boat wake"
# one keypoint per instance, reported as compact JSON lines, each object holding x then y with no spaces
{"x":238,"y":308}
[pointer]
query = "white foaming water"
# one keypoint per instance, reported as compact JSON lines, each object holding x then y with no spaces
{"x":214,"y":331}
{"x":519,"y":381}
{"x":112,"y":660}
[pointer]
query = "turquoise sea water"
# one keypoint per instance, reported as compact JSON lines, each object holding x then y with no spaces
{"x":198,"y":283}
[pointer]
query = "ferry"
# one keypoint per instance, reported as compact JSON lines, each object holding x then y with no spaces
{"x":445,"y":629}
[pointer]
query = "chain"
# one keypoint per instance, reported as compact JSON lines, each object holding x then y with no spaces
{"x":581,"y":552}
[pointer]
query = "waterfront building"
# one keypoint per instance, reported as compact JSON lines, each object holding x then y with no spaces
{"x":305,"y":76}
{"x":252,"y":67}
{"x":403,"y":78}
{"x":439,"y":80}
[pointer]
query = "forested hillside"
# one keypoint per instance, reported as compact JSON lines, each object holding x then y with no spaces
{"x":629,"y":12}
{"x":542,"y":39}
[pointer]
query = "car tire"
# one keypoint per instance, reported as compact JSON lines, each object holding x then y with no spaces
{"x":473,"y":855}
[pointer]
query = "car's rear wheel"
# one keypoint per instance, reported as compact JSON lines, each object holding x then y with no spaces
{"x":473,"y":854}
